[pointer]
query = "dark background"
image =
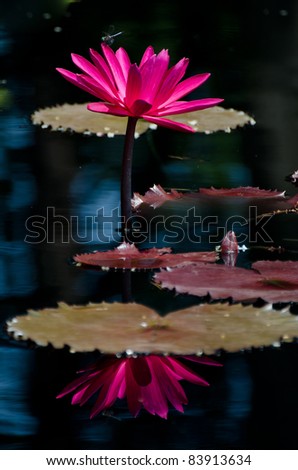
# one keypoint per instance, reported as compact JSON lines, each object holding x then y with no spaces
{"x":251,"y":50}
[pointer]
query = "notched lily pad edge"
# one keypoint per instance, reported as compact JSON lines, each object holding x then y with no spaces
{"x":70,"y":131}
{"x":256,"y":302}
{"x":39,"y":118}
{"x":282,"y":340}
{"x":43,"y":118}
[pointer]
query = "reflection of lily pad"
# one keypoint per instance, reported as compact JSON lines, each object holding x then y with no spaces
{"x":77,"y":118}
{"x":273,"y":281}
{"x":128,"y":256}
{"x":116,"y":328}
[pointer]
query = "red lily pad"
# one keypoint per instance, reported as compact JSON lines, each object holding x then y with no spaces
{"x":133,"y":328}
{"x":156,"y":196}
{"x":128,"y":256}
{"x":243,"y":192}
{"x":272,"y":281}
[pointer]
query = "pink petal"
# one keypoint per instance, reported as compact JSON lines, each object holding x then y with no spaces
{"x":170,"y":386}
{"x":141,"y":371}
{"x":140,"y":107}
{"x":124,"y":61}
{"x":147,"y":54}
{"x":89,"y":69}
{"x":134,"y":86}
{"x":93,"y":387}
{"x":75,"y":79}
{"x":184,"y":372}
{"x":154,"y":400}
{"x":108,"y":108}
{"x":103,"y":377}
{"x":177,"y":126}
{"x":202,"y":360}
{"x":111,"y":386}
{"x":180,"y":107}
{"x":153,"y":73}
{"x":96,"y":89}
{"x":187,"y":86}
{"x":101,"y":403}
{"x":77,"y":383}
{"x":104,"y":69}
{"x":174,"y":75}
{"x":133,"y":391}
{"x":122,"y":389}
{"x":115,"y":68}
{"x":77,"y":397}
{"x":114,"y":387}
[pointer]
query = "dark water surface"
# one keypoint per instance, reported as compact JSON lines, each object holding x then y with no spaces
{"x":251,"y":52}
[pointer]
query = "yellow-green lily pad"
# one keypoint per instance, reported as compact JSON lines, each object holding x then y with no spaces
{"x":133,"y":328}
{"x":214,"y":119}
{"x":77,"y":118}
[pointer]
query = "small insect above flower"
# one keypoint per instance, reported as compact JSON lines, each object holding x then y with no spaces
{"x":109,"y":37}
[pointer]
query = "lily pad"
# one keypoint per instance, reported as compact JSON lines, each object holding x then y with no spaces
{"x":272,"y":281}
{"x":243,"y":192}
{"x":128,"y":256}
{"x":214,"y":119}
{"x":156,"y":196}
{"x":77,"y":118}
{"x":133,"y":328}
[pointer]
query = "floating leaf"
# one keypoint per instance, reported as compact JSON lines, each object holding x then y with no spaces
{"x":128,"y":256}
{"x":282,"y":274}
{"x":214,"y":119}
{"x":243,"y":192}
{"x":132,"y":328}
{"x":77,"y":118}
{"x":156,"y":196}
{"x":272,"y":281}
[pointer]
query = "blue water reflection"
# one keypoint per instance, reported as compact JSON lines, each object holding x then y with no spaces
{"x":17,"y":421}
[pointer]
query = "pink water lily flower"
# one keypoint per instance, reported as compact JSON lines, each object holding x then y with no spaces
{"x":148,"y":381}
{"x":150,"y":90}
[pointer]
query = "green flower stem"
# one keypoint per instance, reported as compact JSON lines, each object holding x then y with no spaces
{"x":126,"y":189}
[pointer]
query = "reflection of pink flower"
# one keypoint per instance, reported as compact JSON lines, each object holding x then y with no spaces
{"x":148,"y":381}
{"x":149,"y":90}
